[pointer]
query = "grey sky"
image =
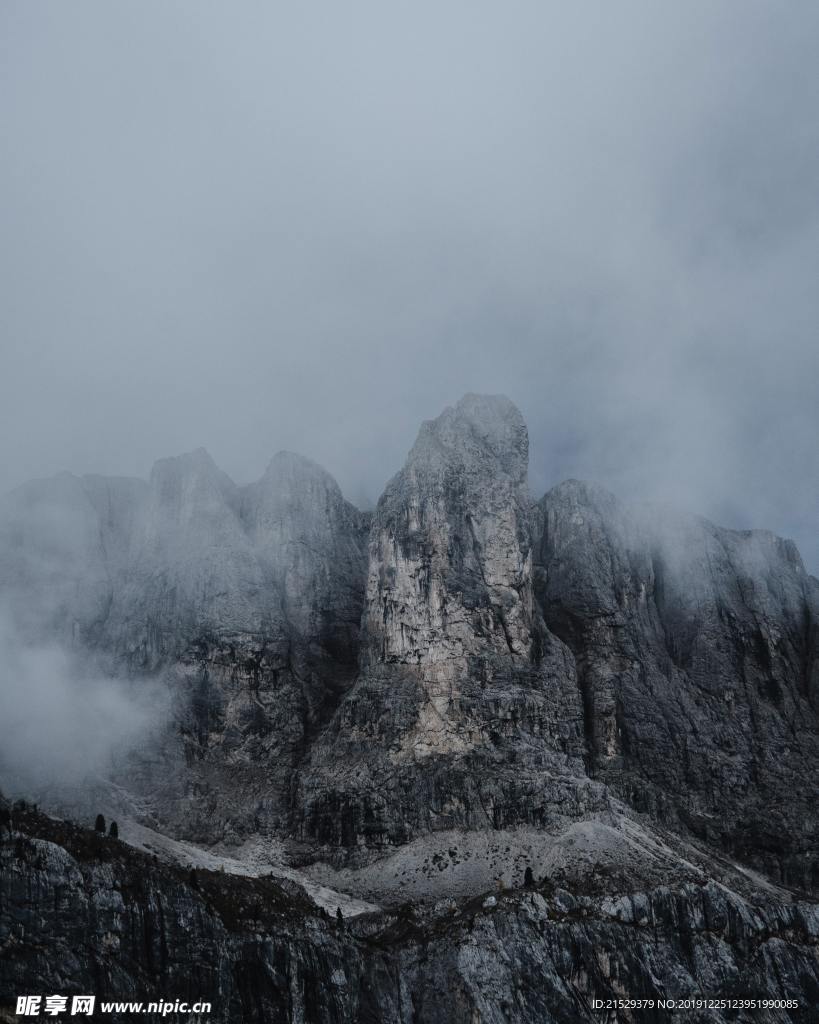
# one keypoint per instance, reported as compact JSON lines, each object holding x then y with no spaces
{"x":254,"y":226}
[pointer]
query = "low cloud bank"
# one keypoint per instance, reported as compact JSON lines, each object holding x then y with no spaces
{"x":63,"y":724}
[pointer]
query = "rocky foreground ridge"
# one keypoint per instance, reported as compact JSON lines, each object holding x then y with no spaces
{"x":425,"y":701}
{"x":85,"y":913}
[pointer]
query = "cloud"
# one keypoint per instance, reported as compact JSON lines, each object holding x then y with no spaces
{"x":63,"y":727}
{"x":312,"y":227}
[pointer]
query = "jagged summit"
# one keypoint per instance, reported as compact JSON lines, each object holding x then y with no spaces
{"x":197,"y":460}
{"x":186,"y":470}
{"x":478,"y":430}
{"x":189,"y":478}
{"x":284,"y":462}
{"x":294,"y":480}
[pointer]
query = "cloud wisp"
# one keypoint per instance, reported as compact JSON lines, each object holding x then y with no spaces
{"x":63,"y":726}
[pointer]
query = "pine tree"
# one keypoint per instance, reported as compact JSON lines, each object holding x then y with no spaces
{"x":528,"y":878}
{"x":99,"y":824}
{"x":113,"y":831}
{"x":339,"y":917}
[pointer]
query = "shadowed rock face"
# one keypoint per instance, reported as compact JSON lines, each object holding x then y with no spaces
{"x":246,"y":601}
{"x":82,"y":913}
{"x":697,"y":656}
{"x":288,"y":555}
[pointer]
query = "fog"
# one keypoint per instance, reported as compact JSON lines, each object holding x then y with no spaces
{"x":63,"y":726}
{"x":255,"y":226}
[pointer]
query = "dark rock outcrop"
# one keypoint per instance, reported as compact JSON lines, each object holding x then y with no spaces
{"x":84,"y":913}
{"x":697,"y":651}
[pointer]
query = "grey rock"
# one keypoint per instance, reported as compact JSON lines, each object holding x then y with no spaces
{"x":84,"y":913}
{"x":246,"y":602}
{"x":697,"y":651}
{"x":466,"y":710}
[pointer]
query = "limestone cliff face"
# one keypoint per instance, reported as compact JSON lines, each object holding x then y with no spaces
{"x":449,"y":581}
{"x":466,"y":710}
{"x":698,"y":660}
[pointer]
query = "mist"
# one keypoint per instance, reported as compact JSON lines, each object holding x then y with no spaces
{"x":63,"y":726}
{"x":311,"y":227}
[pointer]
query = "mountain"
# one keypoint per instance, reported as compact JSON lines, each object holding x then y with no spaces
{"x":698,"y":659}
{"x":466,"y":713}
{"x":424,"y":702}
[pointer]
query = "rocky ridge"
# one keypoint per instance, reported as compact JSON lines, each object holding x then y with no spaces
{"x":697,"y":651}
{"x":83,"y":913}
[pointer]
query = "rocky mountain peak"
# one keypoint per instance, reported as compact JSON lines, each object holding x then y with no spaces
{"x":295,"y":496}
{"x":481,"y":433}
{"x":186,"y":484}
{"x":458,"y":672}
{"x":698,"y":656}
{"x":289,"y":469}
{"x":450,"y":532}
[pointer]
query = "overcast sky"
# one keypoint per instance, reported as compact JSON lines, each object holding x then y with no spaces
{"x":254,"y":226}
